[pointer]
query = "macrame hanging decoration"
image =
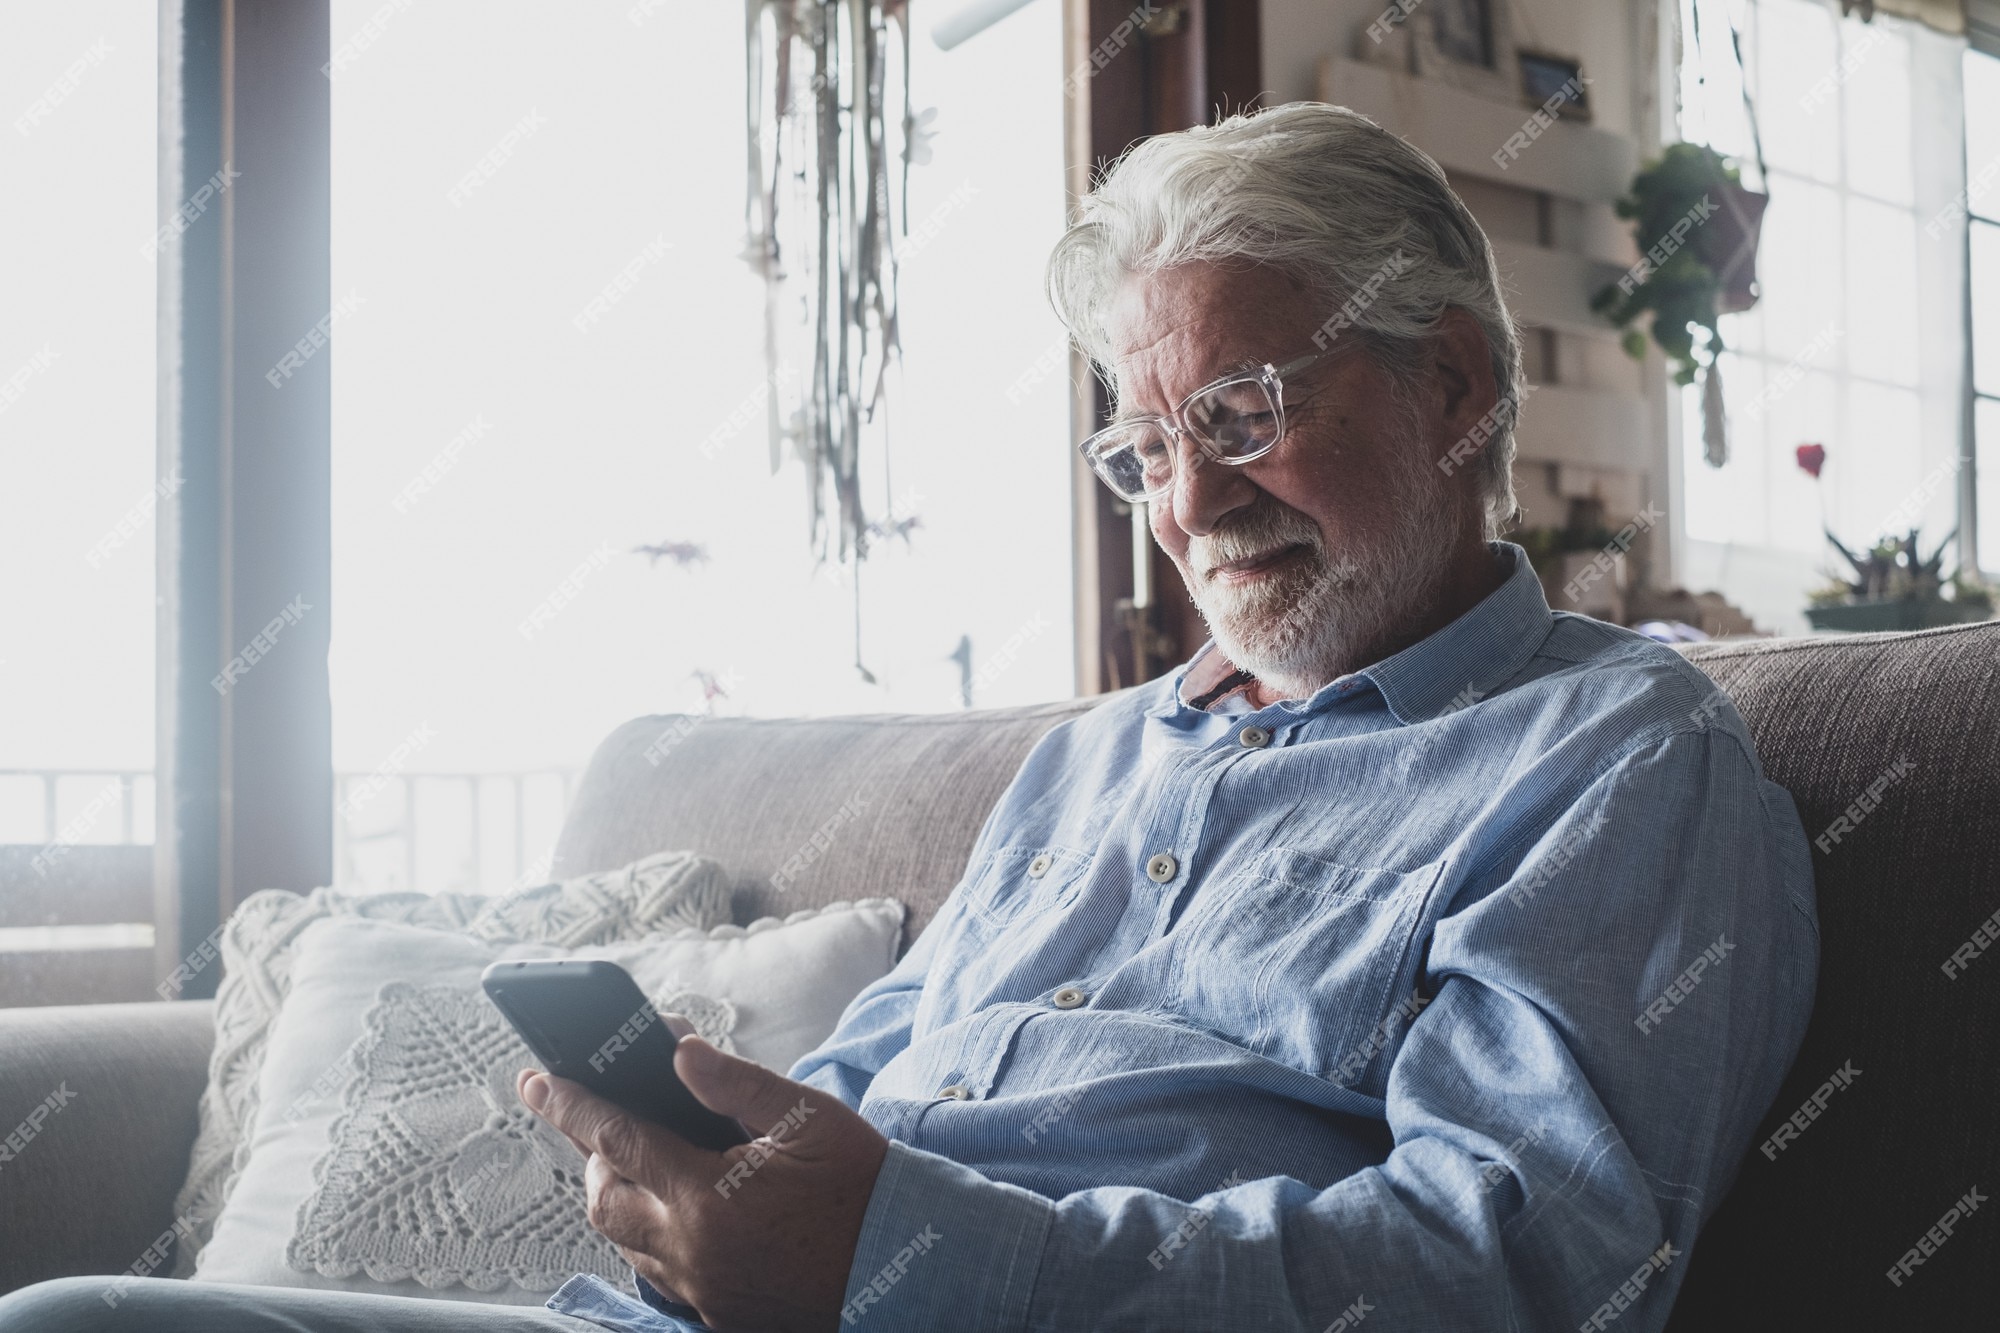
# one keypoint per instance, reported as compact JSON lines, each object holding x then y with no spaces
{"x":821,"y":233}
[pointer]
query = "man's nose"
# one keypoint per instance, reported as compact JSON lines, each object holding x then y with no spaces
{"x":1205,"y":490}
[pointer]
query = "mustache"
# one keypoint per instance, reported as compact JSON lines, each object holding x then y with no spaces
{"x":1254,"y":532}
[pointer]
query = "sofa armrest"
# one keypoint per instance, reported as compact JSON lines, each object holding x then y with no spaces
{"x":97,"y":1115}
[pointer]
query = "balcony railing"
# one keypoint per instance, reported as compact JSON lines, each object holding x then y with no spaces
{"x":76,"y":869}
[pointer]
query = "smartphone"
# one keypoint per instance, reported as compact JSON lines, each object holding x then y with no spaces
{"x":588,"y":1021}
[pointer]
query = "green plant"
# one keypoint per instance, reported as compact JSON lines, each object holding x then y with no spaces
{"x":1679,"y":280}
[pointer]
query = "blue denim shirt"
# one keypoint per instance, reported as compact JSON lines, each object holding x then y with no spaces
{"x":1448,"y":998}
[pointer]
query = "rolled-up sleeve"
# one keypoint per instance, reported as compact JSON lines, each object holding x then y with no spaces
{"x":1607,"y":1011}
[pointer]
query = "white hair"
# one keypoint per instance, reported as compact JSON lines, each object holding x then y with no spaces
{"x":1327,"y":197}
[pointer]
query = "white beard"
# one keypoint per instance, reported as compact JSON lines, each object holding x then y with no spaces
{"x":1302,"y":627}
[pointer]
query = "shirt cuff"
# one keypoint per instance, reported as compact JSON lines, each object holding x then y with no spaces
{"x":942,"y":1246}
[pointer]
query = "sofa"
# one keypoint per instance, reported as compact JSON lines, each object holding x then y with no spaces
{"x":1889,"y":743}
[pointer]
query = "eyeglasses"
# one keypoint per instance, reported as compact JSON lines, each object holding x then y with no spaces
{"x":1236,"y":419}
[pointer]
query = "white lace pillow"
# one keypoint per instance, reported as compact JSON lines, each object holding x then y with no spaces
{"x":257,"y":944}
{"x":389,"y":1154}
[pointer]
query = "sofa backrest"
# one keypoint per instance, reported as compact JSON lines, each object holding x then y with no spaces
{"x":805,"y":811}
{"x":1899,"y":733}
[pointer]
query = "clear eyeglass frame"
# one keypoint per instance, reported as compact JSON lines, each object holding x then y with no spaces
{"x":1112,"y":452}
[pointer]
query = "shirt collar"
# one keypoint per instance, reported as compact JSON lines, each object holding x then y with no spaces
{"x":1458,"y":665}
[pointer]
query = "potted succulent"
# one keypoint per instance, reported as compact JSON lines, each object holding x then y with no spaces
{"x":1893,"y":586}
{"x":1697,"y":227}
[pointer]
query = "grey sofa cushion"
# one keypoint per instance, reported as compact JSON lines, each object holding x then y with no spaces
{"x":1808,"y":1234}
{"x":93,"y":1188}
{"x":837,"y":808}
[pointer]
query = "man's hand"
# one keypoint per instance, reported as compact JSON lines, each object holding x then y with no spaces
{"x":758,"y":1237}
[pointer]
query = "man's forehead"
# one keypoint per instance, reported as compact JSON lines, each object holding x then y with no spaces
{"x":1178,"y":329}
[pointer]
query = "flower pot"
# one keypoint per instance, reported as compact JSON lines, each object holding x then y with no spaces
{"x":1727,"y":243}
{"x":1877,"y":614}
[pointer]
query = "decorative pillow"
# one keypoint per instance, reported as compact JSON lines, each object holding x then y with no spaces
{"x":390,"y":1154}
{"x":257,"y":946}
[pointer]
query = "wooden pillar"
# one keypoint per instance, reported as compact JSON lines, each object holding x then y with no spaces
{"x":245,"y":721}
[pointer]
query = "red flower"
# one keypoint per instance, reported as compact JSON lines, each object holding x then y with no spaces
{"x":1812,"y":457}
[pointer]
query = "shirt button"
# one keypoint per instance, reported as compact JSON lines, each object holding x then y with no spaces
{"x":1254,"y":738}
{"x":1069,"y":997}
{"x":1040,"y":865}
{"x":953,"y":1092}
{"x":1162,"y":867}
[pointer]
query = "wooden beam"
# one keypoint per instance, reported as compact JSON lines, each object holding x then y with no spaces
{"x":245,"y":722}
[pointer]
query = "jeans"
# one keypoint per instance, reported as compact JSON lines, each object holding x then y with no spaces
{"x":162,"y":1305}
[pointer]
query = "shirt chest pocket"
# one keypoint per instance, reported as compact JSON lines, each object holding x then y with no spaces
{"x":1016,"y":884}
{"x":1304,"y":960}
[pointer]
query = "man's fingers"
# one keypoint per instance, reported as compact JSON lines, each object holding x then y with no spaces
{"x":644,"y":1153}
{"x":759,"y":1098}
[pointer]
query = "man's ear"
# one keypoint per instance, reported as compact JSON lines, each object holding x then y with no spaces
{"x":1463,"y":362}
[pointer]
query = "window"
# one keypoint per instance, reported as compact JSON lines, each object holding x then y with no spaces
{"x":499,"y":451}
{"x":77,"y":496}
{"x":1982,"y":195}
{"x":1857,"y":341}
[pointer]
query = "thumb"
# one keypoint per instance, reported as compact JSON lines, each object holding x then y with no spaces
{"x":760,"y":1099}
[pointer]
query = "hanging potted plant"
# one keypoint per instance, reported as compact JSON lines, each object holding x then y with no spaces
{"x":1696,"y":226}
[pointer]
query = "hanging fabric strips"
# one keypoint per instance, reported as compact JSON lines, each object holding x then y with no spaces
{"x":822,"y":222}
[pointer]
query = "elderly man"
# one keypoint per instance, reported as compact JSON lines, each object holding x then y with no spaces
{"x":1414,"y":956}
